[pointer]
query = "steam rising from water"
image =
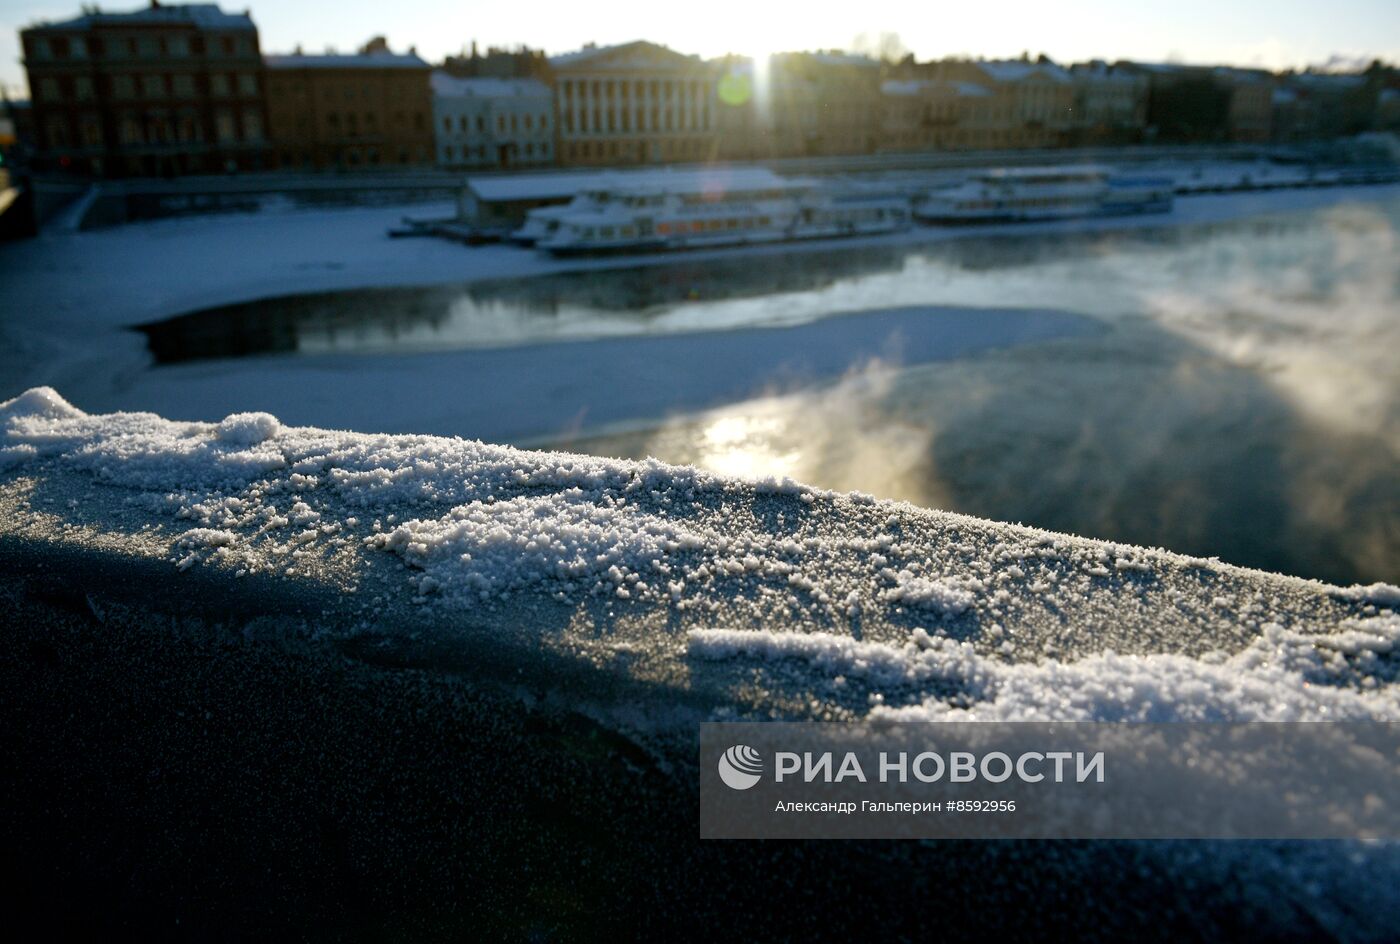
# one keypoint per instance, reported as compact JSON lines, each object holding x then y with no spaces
{"x":1245,"y":403}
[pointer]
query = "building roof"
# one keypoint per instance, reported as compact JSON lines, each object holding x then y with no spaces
{"x":1334,"y":81}
{"x":833,"y":58}
{"x":564,"y":184}
{"x":1014,"y":70}
{"x":1101,"y":71}
{"x":450,"y":85}
{"x":200,"y":15}
{"x":359,"y":60}
{"x":910,"y":87}
{"x":639,"y":53}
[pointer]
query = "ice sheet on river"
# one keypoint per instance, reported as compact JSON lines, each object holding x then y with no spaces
{"x":769,"y":596}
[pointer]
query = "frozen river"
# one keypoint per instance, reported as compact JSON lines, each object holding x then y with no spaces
{"x":1237,"y":396}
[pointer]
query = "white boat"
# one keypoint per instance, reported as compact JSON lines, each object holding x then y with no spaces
{"x":647,"y":218}
{"x":1043,"y":193}
{"x":543,"y":221}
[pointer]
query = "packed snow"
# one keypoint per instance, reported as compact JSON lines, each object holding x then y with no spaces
{"x":831,"y":605}
{"x":1284,"y":675}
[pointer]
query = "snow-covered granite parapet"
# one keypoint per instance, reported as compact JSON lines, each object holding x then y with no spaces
{"x":785,"y":599}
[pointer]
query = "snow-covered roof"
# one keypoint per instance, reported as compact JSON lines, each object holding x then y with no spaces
{"x":372,"y":60}
{"x":1101,"y":71}
{"x":1236,"y":74}
{"x":1052,"y":170}
{"x":1322,"y":80}
{"x":639,"y":54}
{"x":201,"y":15}
{"x":902,"y":87}
{"x":910,"y":87}
{"x":567,"y":183}
{"x":450,"y":85}
{"x":1014,"y":70}
{"x":844,"y":59}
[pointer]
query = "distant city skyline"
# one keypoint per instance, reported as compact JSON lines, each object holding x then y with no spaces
{"x":1273,"y":35}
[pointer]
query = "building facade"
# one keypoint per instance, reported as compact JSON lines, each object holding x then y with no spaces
{"x":637,"y":103}
{"x":159,"y":91}
{"x":931,"y":114}
{"x":798,"y":105}
{"x":959,"y":104}
{"x":496,"y":123}
{"x":366,"y":110}
{"x":1110,"y":104}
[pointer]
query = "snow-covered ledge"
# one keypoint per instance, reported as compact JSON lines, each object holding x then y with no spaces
{"x":747,"y":598}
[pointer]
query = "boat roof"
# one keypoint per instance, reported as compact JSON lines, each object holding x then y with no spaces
{"x":1027,"y":173}
{"x":561,"y":185}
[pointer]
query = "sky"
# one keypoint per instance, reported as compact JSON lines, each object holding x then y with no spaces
{"x":1269,"y":33}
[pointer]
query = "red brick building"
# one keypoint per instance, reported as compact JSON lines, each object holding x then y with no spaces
{"x":158,"y":91}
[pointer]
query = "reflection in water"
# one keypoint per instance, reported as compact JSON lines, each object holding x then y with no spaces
{"x":1246,"y":403}
{"x":683,"y":295}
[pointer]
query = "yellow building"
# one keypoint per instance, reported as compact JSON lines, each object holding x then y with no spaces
{"x":368,"y":109}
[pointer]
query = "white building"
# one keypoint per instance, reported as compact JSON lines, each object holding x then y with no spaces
{"x":638,"y":103}
{"x":492,"y":122}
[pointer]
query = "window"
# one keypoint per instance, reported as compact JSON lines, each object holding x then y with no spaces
{"x":501,"y":123}
{"x":77,"y":48}
{"x":481,"y":123}
{"x":183,"y":86}
{"x":247,"y":83}
{"x":56,"y":130}
{"x":218,"y":85}
{"x":252,"y":125}
{"x":41,"y":49}
{"x":92,"y":131}
{"x":177,"y":46}
{"x":82,"y":88}
{"x":153,"y":86}
{"x":224,"y":128}
{"x":148,"y":47}
{"x":49,"y":90}
{"x":130,"y":130}
{"x":447,"y":124}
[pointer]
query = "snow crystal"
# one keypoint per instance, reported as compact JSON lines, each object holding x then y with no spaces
{"x":247,"y":429}
{"x":457,"y":524}
{"x":1381,"y":594}
{"x":1285,"y":675}
{"x":939,"y":596}
{"x":39,"y":401}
